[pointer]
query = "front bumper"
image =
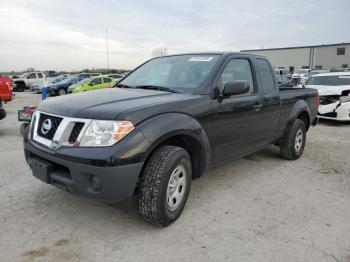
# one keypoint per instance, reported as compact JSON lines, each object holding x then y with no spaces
{"x":336,"y":111}
{"x":2,"y":113}
{"x":105,"y":183}
{"x":340,"y":119}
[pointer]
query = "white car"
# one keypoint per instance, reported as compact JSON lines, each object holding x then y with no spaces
{"x":334,"y":92}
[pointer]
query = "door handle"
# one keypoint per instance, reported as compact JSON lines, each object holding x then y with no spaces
{"x":257,"y":107}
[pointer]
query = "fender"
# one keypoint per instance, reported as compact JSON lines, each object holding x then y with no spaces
{"x":299,"y":107}
{"x":162,"y":127}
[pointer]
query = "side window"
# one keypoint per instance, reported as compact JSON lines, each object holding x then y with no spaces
{"x":96,"y":81}
{"x":31,"y":76}
{"x":107,"y":80}
{"x":40,"y":75}
{"x":237,"y":69}
{"x":266,"y":76}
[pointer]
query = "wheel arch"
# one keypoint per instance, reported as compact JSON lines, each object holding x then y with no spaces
{"x":301,"y":111}
{"x":188,"y":134}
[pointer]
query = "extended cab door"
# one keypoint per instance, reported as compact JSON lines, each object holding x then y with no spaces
{"x":238,"y":119}
{"x":271,"y":100}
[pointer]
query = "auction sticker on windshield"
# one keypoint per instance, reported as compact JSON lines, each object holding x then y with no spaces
{"x":200,"y":58}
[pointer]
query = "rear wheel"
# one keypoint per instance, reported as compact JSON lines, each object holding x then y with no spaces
{"x":293,"y":143}
{"x":62,"y":92}
{"x":165,"y":185}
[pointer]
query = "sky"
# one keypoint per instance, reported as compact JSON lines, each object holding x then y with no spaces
{"x":71,"y":34}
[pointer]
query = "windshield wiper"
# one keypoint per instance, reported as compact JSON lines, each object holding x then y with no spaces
{"x":123,"y":86}
{"x":160,"y":88}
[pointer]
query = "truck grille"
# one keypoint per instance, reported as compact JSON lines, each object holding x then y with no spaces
{"x":58,"y":131}
{"x":75,"y":132}
{"x":56,"y":121}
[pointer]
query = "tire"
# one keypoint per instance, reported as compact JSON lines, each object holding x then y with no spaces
{"x":157,"y":194}
{"x":293,"y":143}
{"x":22,"y":128}
{"x":20,"y":87}
{"x":61,"y":92}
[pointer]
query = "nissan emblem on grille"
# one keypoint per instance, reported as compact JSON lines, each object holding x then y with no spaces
{"x":46,"y":126}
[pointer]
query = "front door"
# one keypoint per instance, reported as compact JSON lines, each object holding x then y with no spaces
{"x":237,"y":120}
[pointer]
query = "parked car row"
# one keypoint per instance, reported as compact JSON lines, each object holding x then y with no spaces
{"x":58,"y":85}
{"x":77,"y":84}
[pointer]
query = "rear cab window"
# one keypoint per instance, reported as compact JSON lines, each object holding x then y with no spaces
{"x":266,"y":76}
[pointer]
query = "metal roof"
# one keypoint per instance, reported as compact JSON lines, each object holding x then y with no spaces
{"x":295,"y":47}
{"x":333,"y":74}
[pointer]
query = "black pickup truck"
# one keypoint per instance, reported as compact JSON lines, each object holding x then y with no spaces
{"x":163,"y":125}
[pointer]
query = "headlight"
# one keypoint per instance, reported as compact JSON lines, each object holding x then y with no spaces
{"x":105,"y":133}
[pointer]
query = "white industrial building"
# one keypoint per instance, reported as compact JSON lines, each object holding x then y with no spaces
{"x":333,"y":56}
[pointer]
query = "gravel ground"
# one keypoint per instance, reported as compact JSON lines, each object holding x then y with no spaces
{"x":259,"y":208}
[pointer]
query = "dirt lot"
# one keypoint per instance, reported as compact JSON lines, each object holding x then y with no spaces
{"x":260,"y":208}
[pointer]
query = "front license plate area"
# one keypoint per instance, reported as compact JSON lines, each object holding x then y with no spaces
{"x":24,"y":115}
{"x":41,"y":169}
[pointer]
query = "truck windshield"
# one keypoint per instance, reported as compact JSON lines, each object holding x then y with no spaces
{"x":340,"y":80}
{"x":182,"y":73}
{"x":23,"y":75}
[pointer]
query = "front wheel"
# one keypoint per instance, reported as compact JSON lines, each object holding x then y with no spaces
{"x":20,"y":87}
{"x":293,"y":142}
{"x":165,"y":185}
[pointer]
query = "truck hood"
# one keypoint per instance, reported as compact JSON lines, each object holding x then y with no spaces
{"x":324,"y":90}
{"x":18,"y":79}
{"x":107,"y":103}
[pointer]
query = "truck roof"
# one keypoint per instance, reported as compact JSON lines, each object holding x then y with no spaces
{"x":216,"y":53}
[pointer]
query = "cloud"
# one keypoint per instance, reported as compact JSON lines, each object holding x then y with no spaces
{"x":71,"y":34}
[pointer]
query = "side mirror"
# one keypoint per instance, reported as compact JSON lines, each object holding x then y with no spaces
{"x":91,"y":84}
{"x":236,"y":88}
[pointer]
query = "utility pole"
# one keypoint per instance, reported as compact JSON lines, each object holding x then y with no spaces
{"x":107,"y":50}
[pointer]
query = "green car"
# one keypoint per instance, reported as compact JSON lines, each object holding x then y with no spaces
{"x":92,"y":83}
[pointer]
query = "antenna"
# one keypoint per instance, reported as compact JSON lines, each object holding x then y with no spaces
{"x":107,"y":50}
